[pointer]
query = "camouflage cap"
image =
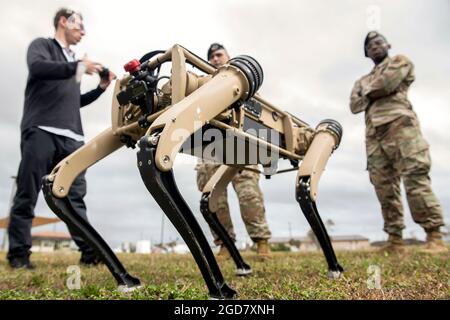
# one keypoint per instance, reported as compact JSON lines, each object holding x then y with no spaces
{"x":371,"y":35}
{"x":214,"y":47}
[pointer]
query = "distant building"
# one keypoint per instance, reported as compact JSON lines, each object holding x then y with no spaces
{"x":346,"y":242}
{"x":351,"y":242}
{"x":128,"y":247}
{"x":143,"y":246}
{"x":407,"y":241}
{"x":171,"y":247}
{"x":180,"y":248}
{"x":50,"y":241}
{"x":140,"y":246}
{"x":37,"y":221}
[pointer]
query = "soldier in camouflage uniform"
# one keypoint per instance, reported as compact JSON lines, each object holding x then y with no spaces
{"x":396,"y":149}
{"x":246,"y":185}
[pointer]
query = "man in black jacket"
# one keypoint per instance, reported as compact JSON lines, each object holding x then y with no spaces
{"x":51,"y":128}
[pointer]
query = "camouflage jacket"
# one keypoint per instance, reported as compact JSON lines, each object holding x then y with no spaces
{"x":382,"y":93}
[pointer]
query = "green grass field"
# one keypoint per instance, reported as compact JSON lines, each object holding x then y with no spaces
{"x":286,"y":276}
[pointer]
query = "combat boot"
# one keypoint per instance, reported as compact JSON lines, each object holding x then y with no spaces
{"x":434,"y":243}
{"x":394,"y":244}
{"x":223,"y":254}
{"x":263,"y":249}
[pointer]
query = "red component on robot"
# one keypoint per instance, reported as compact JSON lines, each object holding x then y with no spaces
{"x":132,"y":66}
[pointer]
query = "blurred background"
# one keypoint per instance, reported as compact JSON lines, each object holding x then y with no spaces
{"x":311,"y":53}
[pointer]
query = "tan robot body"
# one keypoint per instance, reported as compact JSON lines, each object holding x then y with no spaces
{"x":176,"y":118}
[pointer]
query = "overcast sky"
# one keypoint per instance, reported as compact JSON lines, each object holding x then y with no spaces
{"x":311,"y":53}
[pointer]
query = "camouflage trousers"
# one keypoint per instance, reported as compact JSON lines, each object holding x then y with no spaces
{"x":251,"y":203}
{"x":397,"y":151}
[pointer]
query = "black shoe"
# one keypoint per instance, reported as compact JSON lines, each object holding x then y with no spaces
{"x":21,"y":262}
{"x":90,"y":259}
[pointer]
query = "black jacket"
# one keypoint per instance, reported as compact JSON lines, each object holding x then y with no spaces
{"x":52,"y":95}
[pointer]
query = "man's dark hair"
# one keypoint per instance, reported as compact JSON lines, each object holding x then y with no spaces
{"x":64,"y":12}
{"x":214,"y":47}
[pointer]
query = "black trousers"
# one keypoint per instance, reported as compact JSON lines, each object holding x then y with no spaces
{"x":41,"y":152}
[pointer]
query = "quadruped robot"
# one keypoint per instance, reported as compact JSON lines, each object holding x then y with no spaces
{"x":168,"y":120}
